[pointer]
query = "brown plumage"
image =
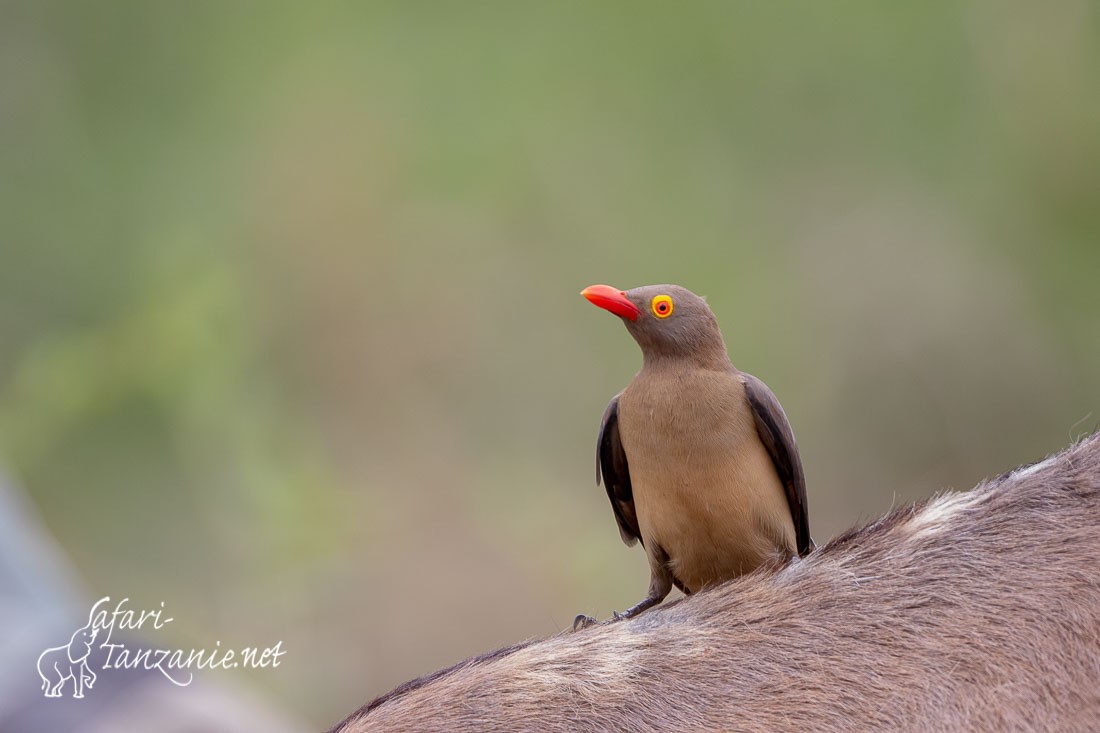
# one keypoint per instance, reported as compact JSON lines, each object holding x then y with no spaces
{"x":698,"y":458}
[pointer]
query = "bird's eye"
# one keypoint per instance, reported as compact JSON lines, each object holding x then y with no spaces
{"x":662,"y":306}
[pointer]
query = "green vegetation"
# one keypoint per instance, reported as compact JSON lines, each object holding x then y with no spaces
{"x":290,"y":336}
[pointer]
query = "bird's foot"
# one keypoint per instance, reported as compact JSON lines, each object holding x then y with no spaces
{"x":583,"y":622}
{"x":644,"y":605}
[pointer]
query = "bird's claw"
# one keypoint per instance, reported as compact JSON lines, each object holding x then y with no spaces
{"x":583,"y":622}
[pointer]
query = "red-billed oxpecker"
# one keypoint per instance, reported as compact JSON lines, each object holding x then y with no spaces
{"x":698,"y":458}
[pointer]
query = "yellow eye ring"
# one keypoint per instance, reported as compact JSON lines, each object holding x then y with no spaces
{"x":662,"y":306}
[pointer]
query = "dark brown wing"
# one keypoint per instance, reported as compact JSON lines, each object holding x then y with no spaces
{"x":776,"y":435}
{"x":612,"y":468}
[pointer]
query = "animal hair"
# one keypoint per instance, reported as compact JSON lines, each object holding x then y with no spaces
{"x":969,"y":611}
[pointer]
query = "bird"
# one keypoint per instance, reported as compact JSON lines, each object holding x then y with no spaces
{"x":698,"y":458}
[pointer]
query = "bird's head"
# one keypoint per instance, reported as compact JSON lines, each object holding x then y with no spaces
{"x":667,"y":321}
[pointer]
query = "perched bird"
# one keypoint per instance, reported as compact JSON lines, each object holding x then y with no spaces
{"x":698,"y":458}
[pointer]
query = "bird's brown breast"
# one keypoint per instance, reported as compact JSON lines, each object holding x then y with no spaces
{"x":705,"y":489}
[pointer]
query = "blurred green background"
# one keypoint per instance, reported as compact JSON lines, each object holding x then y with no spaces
{"x":290,"y":336}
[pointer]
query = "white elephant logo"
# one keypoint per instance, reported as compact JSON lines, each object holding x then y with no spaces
{"x":68,"y":662}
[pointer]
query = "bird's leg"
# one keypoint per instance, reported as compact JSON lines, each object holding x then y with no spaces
{"x":642,"y":605}
{"x":660,"y":584}
{"x":657,"y":593}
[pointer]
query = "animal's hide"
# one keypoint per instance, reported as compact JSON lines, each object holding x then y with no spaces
{"x":972,"y":611}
